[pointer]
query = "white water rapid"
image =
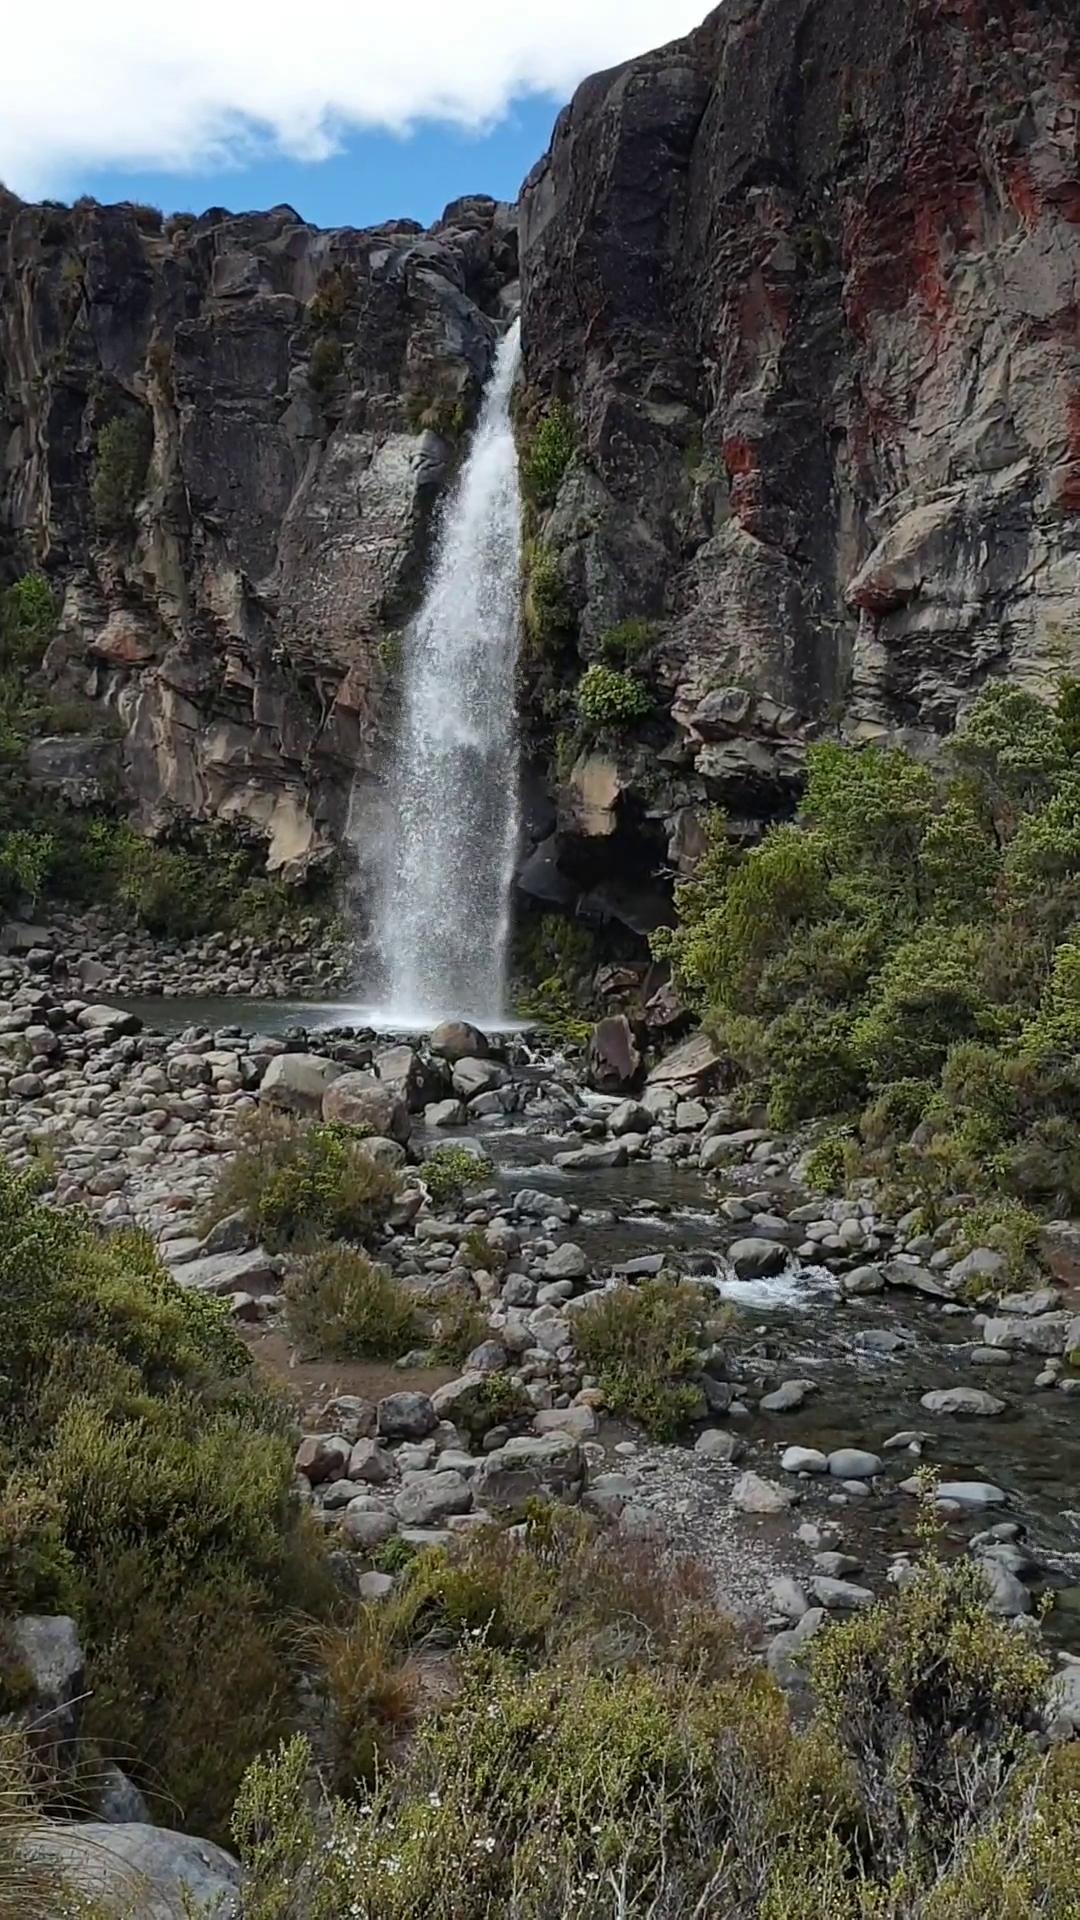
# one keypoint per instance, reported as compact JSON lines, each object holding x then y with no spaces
{"x":445,"y":908}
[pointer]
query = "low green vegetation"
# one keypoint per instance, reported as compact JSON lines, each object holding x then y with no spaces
{"x":555,"y":959}
{"x":549,"y":448}
{"x":606,"y":697}
{"x":460,"y":1324}
{"x":907,"y":955}
{"x":297,"y":1183}
{"x":146,"y":1488}
{"x":546,"y":613}
{"x":341,"y":1306}
{"x":627,"y":644}
{"x":121,"y":458}
{"x":450,"y":1172}
{"x":611,"y":1754}
{"x":643,"y":1343}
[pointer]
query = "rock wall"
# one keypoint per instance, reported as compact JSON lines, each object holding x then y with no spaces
{"x":237,"y":557}
{"x":810,"y":282}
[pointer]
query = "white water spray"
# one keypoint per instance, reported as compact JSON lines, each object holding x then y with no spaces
{"x":445,"y":910}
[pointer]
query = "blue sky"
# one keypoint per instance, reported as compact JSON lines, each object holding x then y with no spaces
{"x":351,"y":110}
{"x":375,"y":176}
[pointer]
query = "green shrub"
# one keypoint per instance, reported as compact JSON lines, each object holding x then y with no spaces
{"x":547,"y":616}
{"x":450,"y":1172}
{"x":908,"y":947}
{"x":643,"y":1342}
{"x":342,"y":1307}
{"x":1005,"y":1225}
{"x":26,"y":859}
{"x":607,"y":698}
{"x":27,"y":621}
{"x":460,"y":1325}
{"x":627,"y":643}
{"x":146,"y":1487}
{"x":299,"y":1183}
{"x":326,"y":363}
{"x":933,"y":1700}
{"x":548,"y":452}
{"x":122,"y":457}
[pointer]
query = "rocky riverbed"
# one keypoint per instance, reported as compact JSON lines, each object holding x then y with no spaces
{"x":93,"y":952}
{"x":861,"y":1348}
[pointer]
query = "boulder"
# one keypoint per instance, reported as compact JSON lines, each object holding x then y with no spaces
{"x":47,"y":1649}
{"x":967,"y":1402}
{"x":717,"y":1443}
{"x":444,"y":1113}
{"x":322,"y":1456}
{"x":840,"y":1596}
{"x":1044,"y":1333}
{"x":457,"y":1040}
{"x":224,"y":1273}
{"x":755,"y":1259}
{"x":629,"y":1117}
{"x":788,"y":1397}
{"x":472,"y":1077}
{"x":425,"y":1499}
{"x":402,"y":1071}
{"x":407,"y":1416}
{"x":360,"y":1100}
{"x":605,"y":1154}
{"x":170,"y":1873}
{"x":804,"y":1460}
{"x":113,"y":1021}
{"x":752,"y":1494}
{"x":614,"y":1059}
{"x":568,"y":1262}
{"x":549,"y":1466}
{"x":852,"y":1463}
{"x":691,"y":1067}
{"x":297,"y":1082}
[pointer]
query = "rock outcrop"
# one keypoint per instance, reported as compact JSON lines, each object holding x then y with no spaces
{"x":809,"y":281}
{"x":223,"y":439}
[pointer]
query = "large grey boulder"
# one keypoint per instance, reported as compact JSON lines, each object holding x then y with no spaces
{"x":425,"y":1499}
{"x":297,"y":1082}
{"x":544,"y":1467}
{"x":147,"y":1873}
{"x":1045,"y":1333}
{"x":614,"y":1060}
{"x":457,"y":1040}
{"x":406,"y":1416}
{"x":755,"y":1259}
{"x":753,"y":1494}
{"x":47,"y":1649}
{"x":691,"y":1067}
{"x":361,"y":1100}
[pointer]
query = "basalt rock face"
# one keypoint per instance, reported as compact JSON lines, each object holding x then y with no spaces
{"x":809,"y":280}
{"x":238,"y":553}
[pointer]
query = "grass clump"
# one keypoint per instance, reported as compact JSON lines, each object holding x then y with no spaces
{"x":342,"y":1306}
{"x":145,"y":1485}
{"x":906,"y":956}
{"x":460,"y":1325}
{"x":607,"y":697}
{"x":297,"y":1183}
{"x":644,"y":1342}
{"x":549,"y":449}
{"x":626,"y":644}
{"x":450,"y":1172}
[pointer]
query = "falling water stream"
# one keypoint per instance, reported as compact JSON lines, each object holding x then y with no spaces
{"x":444,"y":913}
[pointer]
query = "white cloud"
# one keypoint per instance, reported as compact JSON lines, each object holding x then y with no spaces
{"x":189,"y":84}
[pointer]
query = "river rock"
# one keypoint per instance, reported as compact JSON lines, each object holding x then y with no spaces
{"x":112,"y":1021}
{"x":360,"y":1100}
{"x":322,"y":1456}
{"x":907,"y":1273}
{"x":579,"y":1422}
{"x":981,"y":1264}
{"x":862,"y":1280}
{"x":370,"y":1463}
{"x":755,"y":1259}
{"x":297,"y":1082}
{"x":716,"y":1443}
{"x":457,"y":1040}
{"x":840,"y":1596}
{"x":605,"y":1154}
{"x":547,"y":1466}
{"x":427,"y":1498}
{"x":474,"y":1077}
{"x":568,"y":1262}
{"x":788,"y":1397}
{"x":852,"y":1463}
{"x":1044,"y":1333}
{"x":753,"y":1494}
{"x":537,"y":1205}
{"x":804,"y":1460}
{"x":222,"y":1273}
{"x":407,"y":1416}
{"x":729,"y":1149}
{"x":444,"y":1113}
{"x":788,"y":1598}
{"x":961,"y":1493}
{"x":630,"y":1117}
{"x":968,"y":1402}
{"x":1005,"y":1593}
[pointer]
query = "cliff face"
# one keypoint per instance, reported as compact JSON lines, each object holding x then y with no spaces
{"x":223,"y":438}
{"x":810,"y":281}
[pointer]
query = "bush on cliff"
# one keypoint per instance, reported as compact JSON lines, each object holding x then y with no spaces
{"x":907,"y":952}
{"x":146,"y":1488}
{"x":607,"y":697}
{"x":548,"y":451}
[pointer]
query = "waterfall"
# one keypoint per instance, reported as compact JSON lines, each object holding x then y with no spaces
{"x":444,"y":916}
